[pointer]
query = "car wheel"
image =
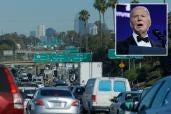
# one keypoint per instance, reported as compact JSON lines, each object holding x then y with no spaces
{"x":117,"y":111}
{"x":84,"y":111}
{"x":92,"y":112}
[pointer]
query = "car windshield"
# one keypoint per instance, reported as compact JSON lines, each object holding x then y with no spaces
{"x":119,"y":86}
{"x":31,"y":91}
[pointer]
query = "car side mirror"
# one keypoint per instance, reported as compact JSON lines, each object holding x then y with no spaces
{"x":112,"y":100}
{"x":129,"y":106}
{"x":83,"y":90}
{"x":115,"y":99}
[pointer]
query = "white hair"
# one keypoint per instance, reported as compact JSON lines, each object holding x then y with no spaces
{"x":138,"y":7}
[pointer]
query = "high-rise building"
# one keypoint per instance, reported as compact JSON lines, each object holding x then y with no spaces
{"x":92,"y":29}
{"x":50,"y":34}
{"x":41,"y":31}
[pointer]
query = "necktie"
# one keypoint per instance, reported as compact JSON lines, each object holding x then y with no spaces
{"x":139,"y":38}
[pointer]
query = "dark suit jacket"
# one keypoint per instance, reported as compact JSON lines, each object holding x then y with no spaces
{"x":123,"y":46}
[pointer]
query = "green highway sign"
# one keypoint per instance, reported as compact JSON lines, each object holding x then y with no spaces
{"x":59,"y":57}
{"x":42,"y":57}
{"x":62,"y":57}
{"x":80,"y":57}
{"x":71,"y":49}
{"x":112,"y":55}
{"x":51,"y":43}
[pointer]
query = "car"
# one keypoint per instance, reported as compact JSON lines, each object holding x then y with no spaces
{"x":78,"y":91}
{"x":121,"y":98}
{"x":156,"y":101}
{"x":99,"y":91}
{"x":56,"y":100}
{"x":11,"y":101}
{"x":144,"y":92}
{"x":60,"y":83}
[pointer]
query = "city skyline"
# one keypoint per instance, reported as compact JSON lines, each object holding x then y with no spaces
{"x":23,"y":16}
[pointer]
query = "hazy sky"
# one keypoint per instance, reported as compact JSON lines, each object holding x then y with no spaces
{"x":22,"y":16}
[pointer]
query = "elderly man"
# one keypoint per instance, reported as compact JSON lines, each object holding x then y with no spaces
{"x":140,"y":21}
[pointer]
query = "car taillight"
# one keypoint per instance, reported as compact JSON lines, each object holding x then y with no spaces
{"x":18,"y":101}
{"x":93,"y":98}
{"x":75,"y":103}
{"x":11,"y":81}
{"x":39,"y":102}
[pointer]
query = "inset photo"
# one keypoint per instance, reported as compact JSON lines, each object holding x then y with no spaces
{"x":141,"y":29}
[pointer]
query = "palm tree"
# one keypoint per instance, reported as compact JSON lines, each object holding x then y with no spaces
{"x":84,"y":16}
{"x":97,"y":6}
{"x":101,"y":6}
{"x":112,"y":3}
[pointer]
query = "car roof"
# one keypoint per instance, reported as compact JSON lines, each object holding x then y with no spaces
{"x":113,"y":78}
{"x":133,"y":92}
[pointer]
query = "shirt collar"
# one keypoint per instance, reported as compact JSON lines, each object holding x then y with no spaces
{"x":135,"y":36}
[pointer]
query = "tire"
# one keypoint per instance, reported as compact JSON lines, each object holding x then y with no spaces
{"x":84,"y":111}
{"x":117,"y":111}
{"x":92,"y":112}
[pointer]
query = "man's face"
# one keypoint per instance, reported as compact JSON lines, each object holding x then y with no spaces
{"x":140,"y":20}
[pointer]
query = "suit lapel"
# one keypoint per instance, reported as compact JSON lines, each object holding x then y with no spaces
{"x":131,"y":41}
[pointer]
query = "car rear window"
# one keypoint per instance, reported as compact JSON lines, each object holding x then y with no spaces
{"x":119,"y":86}
{"x":105,"y":85}
{"x":60,"y":93}
{"x":30,"y":91}
{"x":4,"y":85}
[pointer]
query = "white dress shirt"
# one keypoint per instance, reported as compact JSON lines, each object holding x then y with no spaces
{"x":141,"y":43}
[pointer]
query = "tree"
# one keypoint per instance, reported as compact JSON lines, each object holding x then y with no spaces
{"x":97,"y":6}
{"x":101,"y":6}
{"x":112,"y":3}
{"x":135,"y":1}
{"x":84,"y":16}
{"x":131,"y":75}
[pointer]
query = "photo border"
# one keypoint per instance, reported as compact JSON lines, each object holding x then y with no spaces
{"x":166,"y":29}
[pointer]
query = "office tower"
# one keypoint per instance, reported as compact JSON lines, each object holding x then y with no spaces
{"x":41,"y":31}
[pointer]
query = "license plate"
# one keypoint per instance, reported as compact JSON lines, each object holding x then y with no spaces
{"x":56,"y":105}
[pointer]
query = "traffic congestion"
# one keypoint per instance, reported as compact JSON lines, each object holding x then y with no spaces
{"x":109,"y":95}
{"x":85,"y":57}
